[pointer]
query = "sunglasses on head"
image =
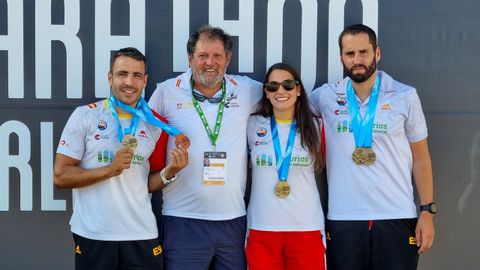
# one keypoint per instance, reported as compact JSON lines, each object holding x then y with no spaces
{"x":274,"y":85}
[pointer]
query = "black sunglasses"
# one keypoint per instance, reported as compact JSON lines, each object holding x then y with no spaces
{"x":287,"y":85}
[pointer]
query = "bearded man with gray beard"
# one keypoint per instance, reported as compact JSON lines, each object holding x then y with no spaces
{"x":203,"y":215}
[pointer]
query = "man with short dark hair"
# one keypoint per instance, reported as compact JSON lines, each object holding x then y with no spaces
{"x":204,"y":211}
{"x":376,"y":140}
{"x":103,"y":155}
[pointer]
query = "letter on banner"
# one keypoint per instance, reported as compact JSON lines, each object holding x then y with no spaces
{"x":45,"y":33}
{"x":20,"y":162}
{"x":308,"y":38}
{"x":181,"y":30}
{"x":105,"y":42}
{"x":274,"y":32}
{"x":309,"y":43}
{"x":243,"y":28}
{"x":13,"y":44}
{"x":336,"y":19}
{"x":48,"y":203}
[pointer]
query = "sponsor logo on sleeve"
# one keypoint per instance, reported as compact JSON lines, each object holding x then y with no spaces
{"x":102,"y":125}
{"x":261,"y":132}
{"x":341,"y":100}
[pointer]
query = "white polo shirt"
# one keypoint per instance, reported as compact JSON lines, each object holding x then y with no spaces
{"x":188,"y":196}
{"x":301,"y":210}
{"x":119,"y":208}
{"x":383,"y":190}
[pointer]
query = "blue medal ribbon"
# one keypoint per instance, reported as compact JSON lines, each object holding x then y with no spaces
{"x":133,"y":126}
{"x":283,"y":161}
{"x":363,"y":128}
{"x":143,"y":112}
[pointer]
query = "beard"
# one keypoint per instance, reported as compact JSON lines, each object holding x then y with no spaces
{"x":204,"y":80}
{"x":360,"y":78}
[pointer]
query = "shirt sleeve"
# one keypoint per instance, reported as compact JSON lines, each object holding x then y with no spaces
{"x":156,"y":100}
{"x":256,"y":93}
{"x":313,"y":99}
{"x":72,"y":140}
{"x":415,"y":126}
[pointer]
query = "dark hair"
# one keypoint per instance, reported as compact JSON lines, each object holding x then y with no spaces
{"x":357,"y":29}
{"x":128,"y":52}
{"x":211,"y":33}
{"x":309,"y":133}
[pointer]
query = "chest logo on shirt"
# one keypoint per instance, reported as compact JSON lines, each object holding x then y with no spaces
{"x":185,"y":105}
{"x":137,"y":159}
{"x":346,"y":127}
{"x":263,"y":160}
{"x":385,"y":107}
{"x":266,"y":160}
{"x":102,"y":125}
{"x":341,"y":100}
{"x":297,"y":161}
{"x":100,"y":137}
{"x":257,"y":143}
{"x":341,"y":112}
{"x":232,"y":101}
{"x":142,"y":134}
{"x":105,"y":156}
{"x":261,"y":132}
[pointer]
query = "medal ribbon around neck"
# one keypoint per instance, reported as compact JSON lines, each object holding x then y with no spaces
{"x":363,"y":128}
{"x":221,"y":107}
{"x":143,"y":112}
{"x":283,"y":161}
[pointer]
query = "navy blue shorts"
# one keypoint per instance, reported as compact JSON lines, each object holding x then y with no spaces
{"x":372,"y":245}
{"x":203,"y":244}
{"x":99,"y":255}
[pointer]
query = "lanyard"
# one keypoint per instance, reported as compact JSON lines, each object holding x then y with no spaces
{"x":283,"y":162}
{"x":221,"y":107}
{"x":133,"y":126}
{"x":143,"y":112}
{"x":363,"y":128}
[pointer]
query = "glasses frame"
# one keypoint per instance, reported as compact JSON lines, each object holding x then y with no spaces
{"x":288,"y":85}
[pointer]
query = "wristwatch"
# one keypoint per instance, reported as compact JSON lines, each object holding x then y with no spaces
{"x":431,"y":207}
{"x":165,"y":180}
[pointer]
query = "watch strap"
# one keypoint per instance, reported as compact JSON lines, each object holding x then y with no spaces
{"x":164,"y":179}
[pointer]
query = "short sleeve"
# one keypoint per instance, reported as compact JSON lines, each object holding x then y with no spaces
{"x":72,"y":140}
{"x":415,"y":126}
{"x":314,"y":100}
{"x":156,"y":100}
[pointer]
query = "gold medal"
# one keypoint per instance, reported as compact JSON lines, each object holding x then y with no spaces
{"x":182,"y":140}
{"x":130,"y":141}
{"x":358,"y":155}
{"x":363,"y":156}
{"x":282,"y":189}
{"x":370,"y":156}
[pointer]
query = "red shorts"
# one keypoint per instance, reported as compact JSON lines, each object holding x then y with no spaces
{"x":285,"y":250}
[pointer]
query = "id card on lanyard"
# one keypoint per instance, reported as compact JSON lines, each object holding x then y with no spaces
{"x":214,"y":168}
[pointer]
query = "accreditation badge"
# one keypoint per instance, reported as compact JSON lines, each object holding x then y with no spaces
{"x":214,"y":168}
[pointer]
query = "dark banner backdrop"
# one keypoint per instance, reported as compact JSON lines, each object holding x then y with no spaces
{"x":54,"y":56}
